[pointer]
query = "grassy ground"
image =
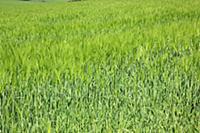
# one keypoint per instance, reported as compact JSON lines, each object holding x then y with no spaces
{"x":100,"y":66}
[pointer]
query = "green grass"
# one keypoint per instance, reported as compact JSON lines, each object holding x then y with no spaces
{"x":100,"y":66}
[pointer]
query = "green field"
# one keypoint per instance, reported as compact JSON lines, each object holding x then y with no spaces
{"x":100,"y":66}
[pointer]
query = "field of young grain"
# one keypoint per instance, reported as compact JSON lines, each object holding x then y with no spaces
{"x":100,"y":66}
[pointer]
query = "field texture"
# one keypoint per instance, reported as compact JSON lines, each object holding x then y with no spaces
{"x":100,"y":66}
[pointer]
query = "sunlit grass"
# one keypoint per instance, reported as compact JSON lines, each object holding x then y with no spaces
{"x":100,"y":66}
